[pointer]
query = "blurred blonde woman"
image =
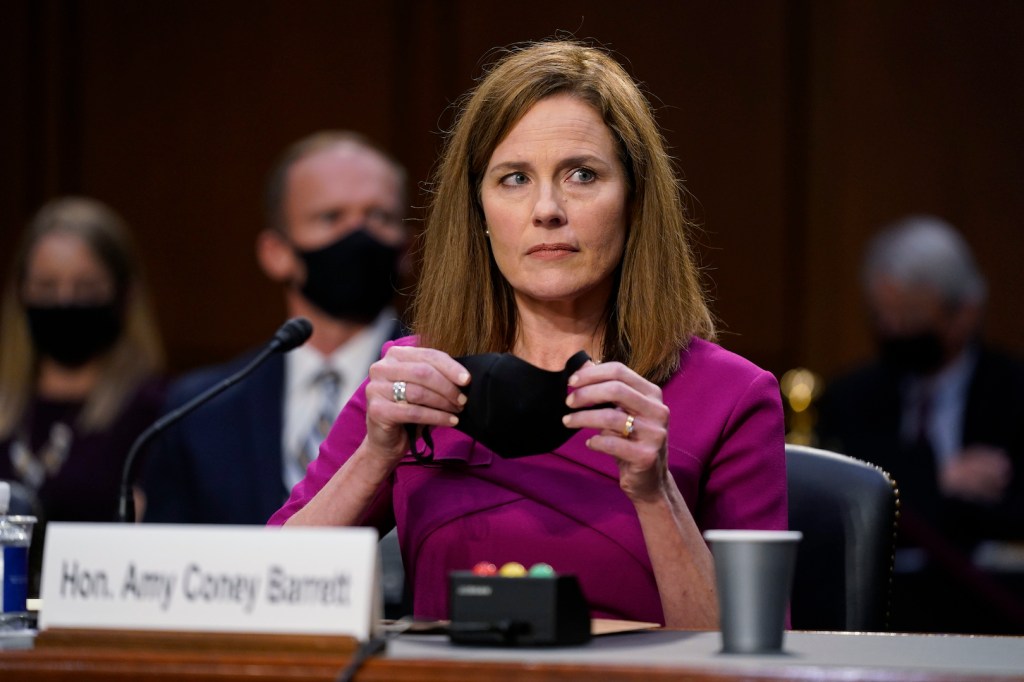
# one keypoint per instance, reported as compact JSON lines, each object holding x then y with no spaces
{"x":80,"y":359}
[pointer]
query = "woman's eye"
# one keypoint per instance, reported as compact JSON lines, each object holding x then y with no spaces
{"x":37,"y":287}
{"x":584,"y":175}
{"x":93,"y":292}
{"x":514,"y":179}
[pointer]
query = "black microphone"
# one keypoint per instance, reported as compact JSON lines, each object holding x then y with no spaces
{"x":290,"y":335}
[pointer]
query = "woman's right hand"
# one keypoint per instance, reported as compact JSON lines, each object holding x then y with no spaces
{"x":432,"y":396}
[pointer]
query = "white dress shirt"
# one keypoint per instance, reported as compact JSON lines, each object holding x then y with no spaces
{"x":302,"y":396}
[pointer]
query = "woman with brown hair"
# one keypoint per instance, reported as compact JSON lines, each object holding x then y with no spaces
{"x":80,"y":359}
{"x":558,"y":227}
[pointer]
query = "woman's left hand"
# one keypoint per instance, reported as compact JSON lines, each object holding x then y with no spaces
{"x":632,"y":421}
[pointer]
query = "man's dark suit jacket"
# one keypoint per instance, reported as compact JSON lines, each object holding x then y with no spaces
{"x":859,"y":415}
{"x":222,"y":463}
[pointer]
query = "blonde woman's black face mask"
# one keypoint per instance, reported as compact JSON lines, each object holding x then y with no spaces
{"x":513,"y":408}
{"x":72,"y":335}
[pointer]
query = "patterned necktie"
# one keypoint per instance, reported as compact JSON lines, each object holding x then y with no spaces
{"x":924,"y":415}
{"x":329,"y":383}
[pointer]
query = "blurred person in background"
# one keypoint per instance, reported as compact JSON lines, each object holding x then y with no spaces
{"x":334,"y":240}
{"x":80,"y":360}
{"x":944,"y":414}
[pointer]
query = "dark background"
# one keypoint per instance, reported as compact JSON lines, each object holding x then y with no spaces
{"x":800,"y":127}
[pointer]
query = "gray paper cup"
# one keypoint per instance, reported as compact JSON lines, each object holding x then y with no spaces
{"x":754,"y":575}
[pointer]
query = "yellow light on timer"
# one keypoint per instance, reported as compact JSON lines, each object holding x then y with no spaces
{"x":800,"y":387}
{"x":512,"y":569}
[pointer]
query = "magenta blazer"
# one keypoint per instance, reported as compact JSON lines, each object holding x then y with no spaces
{"x":565,"y":508}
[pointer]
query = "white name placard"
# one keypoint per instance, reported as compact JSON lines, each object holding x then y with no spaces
{"x":211,"y":578}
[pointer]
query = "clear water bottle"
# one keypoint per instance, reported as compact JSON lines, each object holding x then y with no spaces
{"x":15,"y":538}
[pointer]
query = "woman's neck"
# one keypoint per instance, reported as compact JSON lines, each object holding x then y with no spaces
{"x":57,"y":382}
{"x":549,"y":334}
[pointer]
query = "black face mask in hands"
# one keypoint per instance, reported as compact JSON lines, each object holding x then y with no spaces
{"x":74,"y":334}
{"x":513,"y":407}
{"x":352,"y":278}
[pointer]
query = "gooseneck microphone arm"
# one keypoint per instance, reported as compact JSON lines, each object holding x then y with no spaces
{"x":291,"y":334}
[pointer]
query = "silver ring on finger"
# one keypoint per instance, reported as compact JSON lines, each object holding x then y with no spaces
{"x":398,"y":391}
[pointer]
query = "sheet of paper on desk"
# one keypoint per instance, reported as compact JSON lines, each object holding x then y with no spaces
{"x":611,"y":626}
{"x":598,"y":626}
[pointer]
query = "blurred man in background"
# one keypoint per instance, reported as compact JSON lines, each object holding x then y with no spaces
{"x":944,"y":414}
{"x":334,"y":240}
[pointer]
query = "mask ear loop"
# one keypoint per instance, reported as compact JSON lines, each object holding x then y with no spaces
{"x":428,"y":441}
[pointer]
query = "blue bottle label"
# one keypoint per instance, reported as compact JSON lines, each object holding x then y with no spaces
{"x":14,"y":569}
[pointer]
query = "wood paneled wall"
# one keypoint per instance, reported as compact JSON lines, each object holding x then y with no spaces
{"x":800,"y":127}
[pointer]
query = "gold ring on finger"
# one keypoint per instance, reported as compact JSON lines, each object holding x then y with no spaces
{"x":627,"y":429}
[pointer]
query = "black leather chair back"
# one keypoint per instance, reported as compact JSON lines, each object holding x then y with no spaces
{"x":847,"y":512}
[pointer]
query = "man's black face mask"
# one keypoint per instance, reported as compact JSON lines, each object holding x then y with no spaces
{"x":920,"y":354}
{"x":352,"y":278}
{"x":513,"y":407}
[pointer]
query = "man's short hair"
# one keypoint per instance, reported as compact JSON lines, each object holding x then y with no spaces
{"x":277,"y":181}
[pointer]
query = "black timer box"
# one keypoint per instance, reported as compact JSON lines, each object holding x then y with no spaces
{"x":527,"y":611}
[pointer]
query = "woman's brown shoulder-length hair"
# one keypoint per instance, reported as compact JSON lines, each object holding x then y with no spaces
{"x":464,"y":305}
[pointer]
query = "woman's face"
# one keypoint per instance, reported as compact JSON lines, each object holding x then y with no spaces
{"x":63,"y":270}
{"x":555,"y":198}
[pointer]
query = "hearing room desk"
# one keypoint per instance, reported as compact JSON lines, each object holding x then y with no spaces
{"x":639,"y":656}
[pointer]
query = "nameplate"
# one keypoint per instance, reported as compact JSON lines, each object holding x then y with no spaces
{"x":190,"y":578}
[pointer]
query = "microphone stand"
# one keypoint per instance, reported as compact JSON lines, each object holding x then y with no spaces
{"x":292,"y":334}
